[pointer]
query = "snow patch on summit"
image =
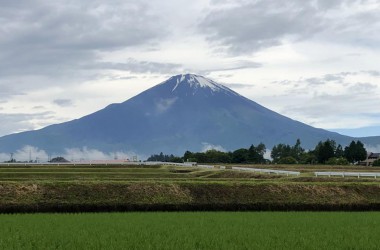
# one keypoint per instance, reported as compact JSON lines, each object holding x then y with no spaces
{"x":196,"y":81}
{"x":203,"y":82}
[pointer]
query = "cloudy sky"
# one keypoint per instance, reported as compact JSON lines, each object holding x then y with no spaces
{"x":314,"y":61}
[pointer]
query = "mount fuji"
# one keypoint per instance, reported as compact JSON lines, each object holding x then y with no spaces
{"x":185,"y":112}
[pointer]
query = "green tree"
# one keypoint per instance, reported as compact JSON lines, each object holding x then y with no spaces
{"x":281,"y":151}
{"x":165,"y":158}
{"x":200,"y":157}
{"x":325,"y":150}
{"x":355,"y":152}
{"x":349,"y":151}
{"x":297,"y":150}
{"x":308,"y":158}
{"x":240,"y":155}
{"x":256,"y":154}
{"x":214,"y":156}
{"x":187,"y":156}
{"x":261,"y":149}
{"x":339,"y":152}
{"x":176,"y":159}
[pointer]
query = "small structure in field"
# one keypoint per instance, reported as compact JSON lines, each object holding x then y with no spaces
{"x":371,"y":157}
{"x":189,"y":164}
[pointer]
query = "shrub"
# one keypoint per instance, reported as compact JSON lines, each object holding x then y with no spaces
{"x":376,"y":163}
{"x":337,"y":161}
{"x":59,"y":159}
{"x":287,"y":160}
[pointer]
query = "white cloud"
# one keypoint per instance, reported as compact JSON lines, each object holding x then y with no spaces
{"x":164,"y":104}
{"x":290,"y":56}
{"x":331,"y":101}
{"x":72,"y":154}
{"x":208,"y":146}
{"x":267,"y":154}
{"x":87,"y":154}
{"x":26,"y":153}
{"x":63,"y":102}
{"x":373,"y":149}
{"x":19,"y":122}
{"x":251,"y":26}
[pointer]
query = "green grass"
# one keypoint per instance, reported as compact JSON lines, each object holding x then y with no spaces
{"x":128,"y":173}
{"x":132,"y":172}
{"x":194,"y":230}
{"x":112,"y":173}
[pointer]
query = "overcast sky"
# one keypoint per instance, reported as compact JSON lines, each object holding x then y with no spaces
{"x":314,"y":61}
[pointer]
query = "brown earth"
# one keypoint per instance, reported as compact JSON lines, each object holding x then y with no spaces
{"x":191,"y":195}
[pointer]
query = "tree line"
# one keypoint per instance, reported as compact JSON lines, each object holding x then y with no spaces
{"x":325,"y":152}
{"x":165,"y":158}
{"x":253,"y":154}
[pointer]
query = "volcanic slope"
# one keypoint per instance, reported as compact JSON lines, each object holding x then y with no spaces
{"x":186,"y":112}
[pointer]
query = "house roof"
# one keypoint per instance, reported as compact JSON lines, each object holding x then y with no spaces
{"x":374,"y":155}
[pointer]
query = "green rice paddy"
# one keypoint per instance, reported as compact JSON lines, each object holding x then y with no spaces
{"x":130,"y":188}
{"x":192,"y":230}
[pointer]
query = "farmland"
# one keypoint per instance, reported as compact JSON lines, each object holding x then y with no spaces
{"x":84,"y":188}
{"x":33,"y":189}
{"x":102,"y":172}
{"x":191,"y":230}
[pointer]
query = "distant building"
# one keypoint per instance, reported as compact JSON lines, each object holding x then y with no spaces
{"x":371,"y":157}
{"x":189,"y":164}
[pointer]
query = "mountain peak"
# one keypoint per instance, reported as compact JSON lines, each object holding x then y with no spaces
{"x":186,"y":112}
{"x":196,"y":83}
